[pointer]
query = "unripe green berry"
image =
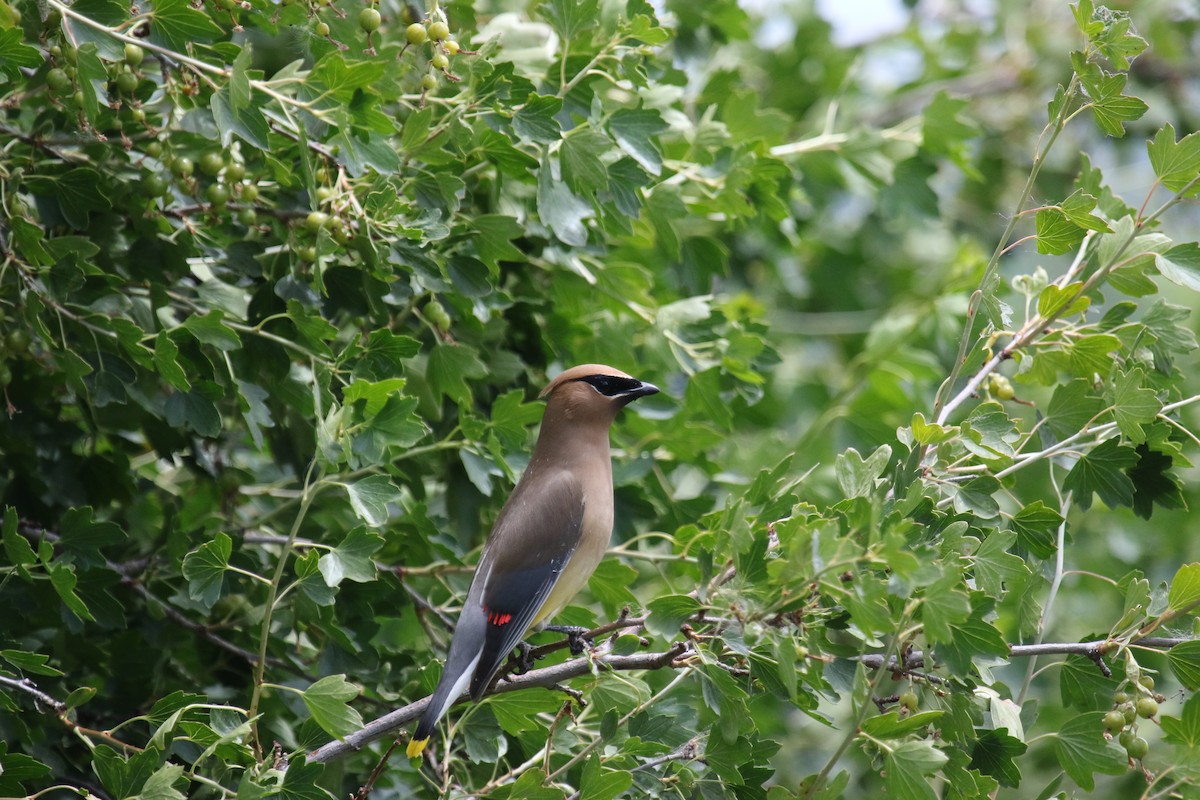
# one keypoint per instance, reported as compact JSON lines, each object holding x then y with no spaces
{"x":235,"y":172}
{"x":451,"y":47}
{"x":1129,"y":712}
{"x":134,"y":54}
{"x":18,"y":340}
{"x":439,"y":61}
{"x":250,"y":192}
{"x":1137,"y":748}
{"x":1120,"y":697}
{"x":307,"y":253}
{"x":182,"y":167}
{"x":154,"y":149}
{"x":57,"y":79}
{"x":437,"y":315}
{"x":1146,"y":681}
{"x":439,"y":31}
{"x":247,"y":216}
{"x":324,"y":193}
{"x":322,"y":29}
{"x":1114,"y":721}
{"x":416,"y":34}
{"x":127,"y":83}
{"x":315,"y":221}
{"x":429,"y":82}
{"x":211,"y":163}
{"x":155,"y":186}
{"x":910,"y":700}
{"x":5,"y":375}
{"x":217,"y":194}
{"x":369,"y":19}
{"x":137,"y":115}
{"x":1147,"y":707}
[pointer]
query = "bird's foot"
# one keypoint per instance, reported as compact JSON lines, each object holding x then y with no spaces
{"x":523,"y":658}
{"x":577,"y":638}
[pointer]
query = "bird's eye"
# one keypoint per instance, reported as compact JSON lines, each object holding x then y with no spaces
{"x":612,"y":385}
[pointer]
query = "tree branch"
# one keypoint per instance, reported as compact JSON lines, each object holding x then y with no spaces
{"x":1093,"y":650}
{"x":543,"y":678}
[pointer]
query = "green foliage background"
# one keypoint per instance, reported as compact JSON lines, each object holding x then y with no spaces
{"x":277,"y":294}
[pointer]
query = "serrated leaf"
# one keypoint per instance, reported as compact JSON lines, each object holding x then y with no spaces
{"x":64,"y":581}
{"x":1184,"y":659}
{"x":211,"y":329}
{"x":974,"y":638}
{"x":1062,"y":302}
{"x":893,"y":726}
{"x":494,"y":236}
{"x":560,"y":209}
{"x":582,"y":168}
{"x":1175,"y":163}
{"x":1083,"y":751}
{"x":1184,"y":730}
{"x":635,"y":131}
{"x":300,"y":782}
{"x":667,"y":613}
{"x":1102,"y":471}
{"x":994,"y":754}
{"x":1185,"y":587}
{"x":369,"y":497}
{"x":857,"y":475}
{"x":535,"y":120}
{"x":449,"y":369}
{"x":1133,"y":404}
{"x":1181,"y":265}
{"x":327,"y":701}
{"x":1036,"y":526}
{"x":569,"y":17}
{"x":204,"y":568}
{"x":945,"y":606}
{"x":161,"y":784}
{"x":994,"y":566}
{"x":1078,"y":207}
{"x":598,"y":783}
{"x":907,"y":766}
{"x":1056,"y":233}
{"x":351,"y":559}
{"x":30,"y":662}
{"x":166,"y":361}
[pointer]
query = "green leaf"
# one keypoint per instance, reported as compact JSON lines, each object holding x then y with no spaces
{"x":906,"y":767}
{"x":1056,"y":234}
{"x":1083,"y":751}
{"x":30,"y":662}
{"x":239,"y":80}
{"x":1185,"y":588}
{"x":14,"y":53}
{"x":1133,"y":405}
{"x":569,"y":17}
{"x":302,"y":782}
{"x":247,"y":122}
{"x":193,"y":411}
{"x":1181,"y":265}
{"x":161,"y":785}
{"x":994,"y":566}
{"x":64,"y":581}
{"x":1176,"y":164}
{"x":1082,"y":686}
{"x":974,"y":638}
{"x":494,"y":234}
{"x":1184,"y":659}
{"x":369,"y":497}
{"x":177,"y":25}
{"x":535,"y":121}
{"x":561,"y":209}
{"x":327,"y":701}
{"x":1071,"y":407}
{"x":166,"y":361}
{"x":893,"y":726}
{"x":598,"y":783}
{"x":79,"y":192}
{"x":210,"y":329}
{"x":635,"y":130}
{"x":16,"y":547}
{"x":352,"y":558}
{"x":204,"y":568}
{"x":667,"y":613}
{"x":993,"y":754}
{"x":975,"y":497}
{"x":449,"y":368}
{"x":1103,"y":471}
{"x":857,"y":475}
{"x":1062,"y":302}
{"x":1078,"y":207}
{"x":1153,"y":483}
{"x":1185,"y":729}
{"x":945,"y":606}
{"x":582,"y":168}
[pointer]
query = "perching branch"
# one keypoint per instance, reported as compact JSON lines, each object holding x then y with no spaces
{"x":1093,"y":650}
{"x":546,"y":677}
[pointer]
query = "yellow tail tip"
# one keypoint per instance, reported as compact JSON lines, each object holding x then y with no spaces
{"x":415,"y":747}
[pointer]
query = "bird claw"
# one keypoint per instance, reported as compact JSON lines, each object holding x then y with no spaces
{"x":577,"y":638}
{"x":523,"y":658}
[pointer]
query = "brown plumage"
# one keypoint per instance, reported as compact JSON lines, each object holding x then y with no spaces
{"x":548,"y":539}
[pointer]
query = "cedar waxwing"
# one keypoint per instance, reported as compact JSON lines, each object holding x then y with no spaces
{"x":548,"y":539}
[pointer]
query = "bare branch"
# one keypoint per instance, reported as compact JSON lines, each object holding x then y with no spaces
{"x":30,"y":688}
{"x":1093,"y":650}
{"x":545,"y":678}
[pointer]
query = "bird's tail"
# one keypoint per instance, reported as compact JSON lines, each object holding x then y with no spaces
{"x":455,"y":677}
